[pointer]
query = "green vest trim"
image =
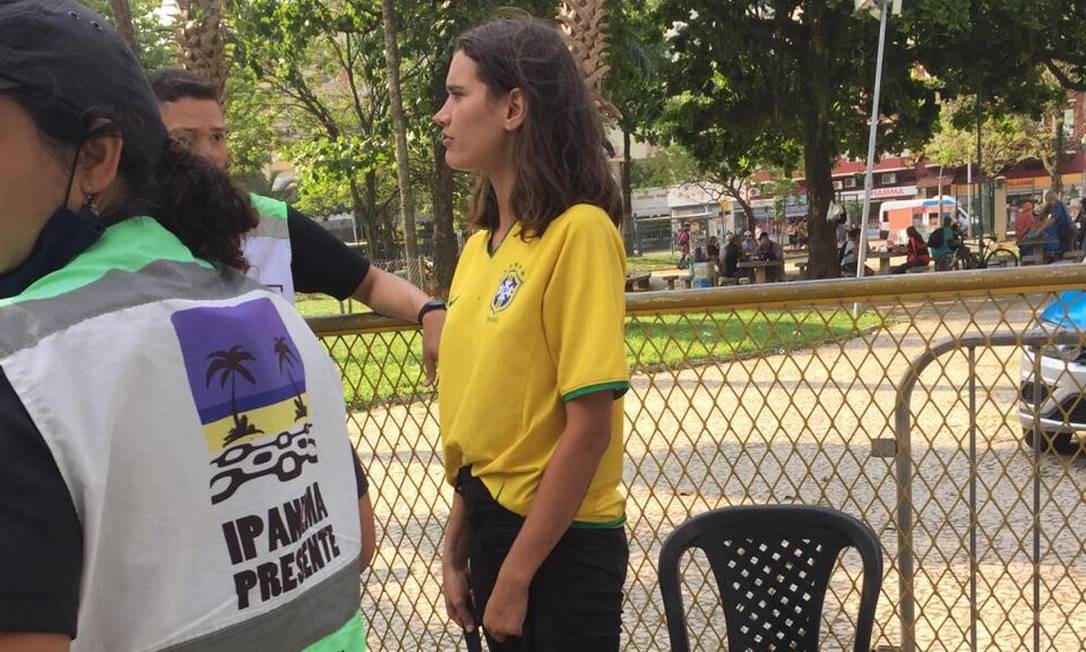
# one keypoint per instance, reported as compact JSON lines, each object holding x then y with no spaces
{"x":268,"y":207}
{"x":349,"y":638}
{"x":127,"y":247}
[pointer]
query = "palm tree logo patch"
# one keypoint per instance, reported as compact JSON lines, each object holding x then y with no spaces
{"x":248,"y":386}
{"x":286,"y":357}
{"x":228,"y":365}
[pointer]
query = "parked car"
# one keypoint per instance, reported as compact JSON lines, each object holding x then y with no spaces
{"x":1061,"y":405}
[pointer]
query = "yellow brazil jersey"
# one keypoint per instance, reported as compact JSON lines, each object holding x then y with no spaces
{"x":531,"y":325}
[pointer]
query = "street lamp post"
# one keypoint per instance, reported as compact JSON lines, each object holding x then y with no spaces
{"x":869,"y":174}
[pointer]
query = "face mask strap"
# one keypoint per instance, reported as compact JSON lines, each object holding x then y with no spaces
{"x":71,"y":175}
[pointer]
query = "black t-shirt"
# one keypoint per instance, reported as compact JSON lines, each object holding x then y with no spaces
{"x":41,"y":538}
{"x":320,"y":262}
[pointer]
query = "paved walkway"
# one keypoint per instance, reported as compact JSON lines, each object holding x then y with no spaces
{"x":794,"y":427}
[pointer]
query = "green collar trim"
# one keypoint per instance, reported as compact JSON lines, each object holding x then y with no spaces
{"x":490,"y":238}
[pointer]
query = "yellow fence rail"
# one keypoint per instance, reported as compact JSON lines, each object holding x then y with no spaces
{"x":795,"y":393}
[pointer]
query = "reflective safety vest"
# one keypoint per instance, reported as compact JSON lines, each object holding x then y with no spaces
{"x":199,"y":427}
{"x":267,"y":247}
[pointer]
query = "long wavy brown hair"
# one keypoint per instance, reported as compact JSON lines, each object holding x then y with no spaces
{"x":558,"y":151}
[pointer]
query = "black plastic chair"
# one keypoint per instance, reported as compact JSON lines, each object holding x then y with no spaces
{"x":772,"y":565}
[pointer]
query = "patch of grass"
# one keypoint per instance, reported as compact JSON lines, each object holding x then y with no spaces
{"x":684,"y":340}
{"x":320,"y":305}
{"x":377,"y":367}
{"x":652,"y":262}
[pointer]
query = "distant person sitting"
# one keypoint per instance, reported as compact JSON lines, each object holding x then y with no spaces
{"x":842,"y":227}
{"x":1043,"y":227}
{"x":915,"y":250}
{"x":713,"y":248}
{"x":1023,"y":220}
{"x":1061,"y":219}
{"x":1082,"y":223}
{"x":850,"y":255}
{"x":770,"y":252}
{"x":941,"y":241}
{"x":733,"y":253}
{"x":748,"y":244}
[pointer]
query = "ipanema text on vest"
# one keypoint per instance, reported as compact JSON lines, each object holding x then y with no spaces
{"x":282,"y":529}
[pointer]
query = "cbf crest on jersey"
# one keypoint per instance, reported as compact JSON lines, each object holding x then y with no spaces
{"x":512,"y":280}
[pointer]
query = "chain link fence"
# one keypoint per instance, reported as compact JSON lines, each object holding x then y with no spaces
{"x":907,"y":402}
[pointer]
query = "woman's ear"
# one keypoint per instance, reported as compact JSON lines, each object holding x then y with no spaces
{"x":97,"y":169}
{"x":516,"y":110}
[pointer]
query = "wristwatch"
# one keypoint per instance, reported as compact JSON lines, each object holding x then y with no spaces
{"x":432,"y":304}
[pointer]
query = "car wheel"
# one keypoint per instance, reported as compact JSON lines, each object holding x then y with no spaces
{"x":1064,"y":443}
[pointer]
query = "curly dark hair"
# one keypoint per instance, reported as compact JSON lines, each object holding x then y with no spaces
{"x":185,"y":194}
{"x":558,"y":151}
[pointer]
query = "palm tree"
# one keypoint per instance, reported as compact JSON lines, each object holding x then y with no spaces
{"x":286,"y":357}
{"x":586,"y":23}
{"x":200,"y":39}
{"x":229,"y":365}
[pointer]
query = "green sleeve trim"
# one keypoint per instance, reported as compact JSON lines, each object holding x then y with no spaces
{"x":606,"y":525}
{"x":619,"y":388}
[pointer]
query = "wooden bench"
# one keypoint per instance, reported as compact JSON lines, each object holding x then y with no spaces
{"x":727,"y":280}
{"x":918,"y":270}
{"x":637,"y":282}
{"x":671,"y":278}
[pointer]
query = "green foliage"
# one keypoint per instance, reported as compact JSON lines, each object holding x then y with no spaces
{"x":155,"y":40}
{"x":1006,"y":52}
{"x":251,"y":134}
{"x":638,"y":53}
{"x":746,"y":89}
{"x":310,"y":82}
{"x":667,"y":166}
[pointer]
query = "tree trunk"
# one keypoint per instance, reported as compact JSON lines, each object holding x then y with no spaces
{"x":627,"y":196}
{"x":202,"y":48}
{"x":441,"y":196}
{"x":399,"y":124}
{"x":441,"y":193}
{"x":122,"y":19}
{"x":747,"y":209}
{"x":1054,"y":173}
{"x":818,"y":149}
{"x":361,"y":232}
{"x":383,"y":242}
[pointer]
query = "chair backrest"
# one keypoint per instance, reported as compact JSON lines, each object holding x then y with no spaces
{"x":772,"y":565}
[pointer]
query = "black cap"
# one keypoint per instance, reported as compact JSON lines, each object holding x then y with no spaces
{"x":66,"y":51}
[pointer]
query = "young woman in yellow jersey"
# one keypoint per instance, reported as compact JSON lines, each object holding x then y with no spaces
{"x":533,"y":358}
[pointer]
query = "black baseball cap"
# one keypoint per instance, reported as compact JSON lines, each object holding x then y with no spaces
{"x":63,"y":50}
